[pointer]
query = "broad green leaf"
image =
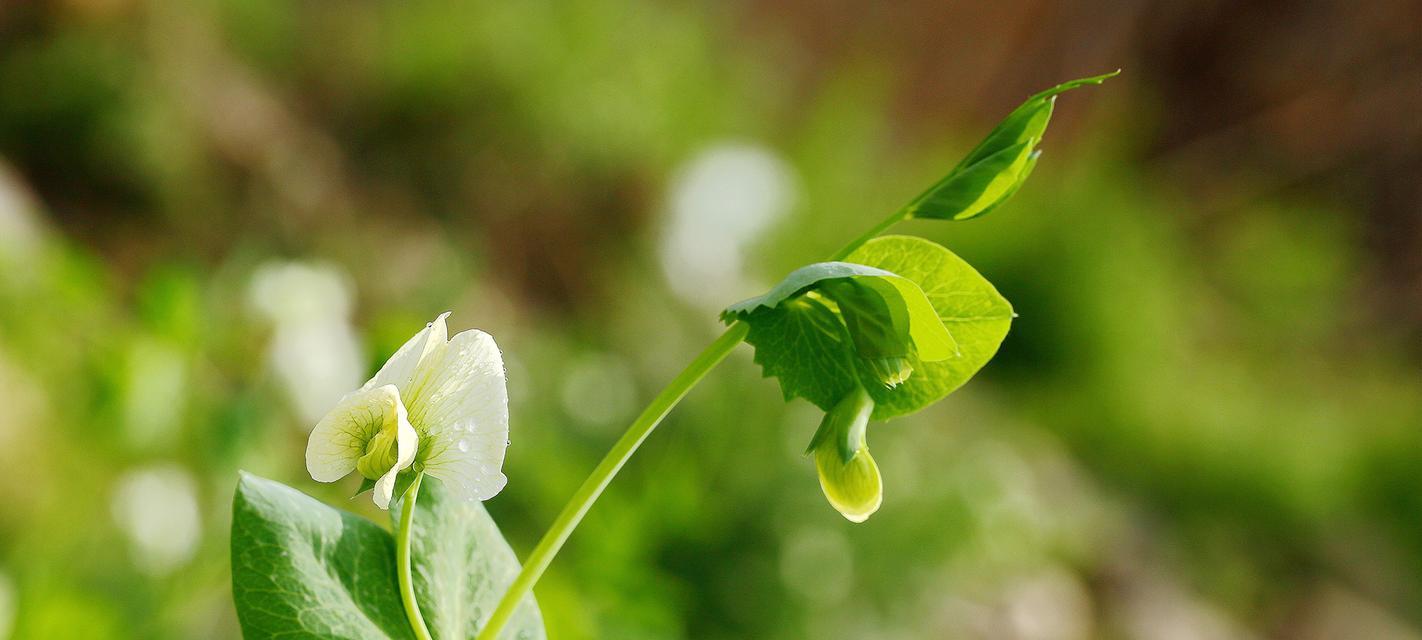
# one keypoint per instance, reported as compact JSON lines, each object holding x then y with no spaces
{"x":994,"y":170}
{"x":967,"y":304}
{"x":803,"y":343}
{"x":303,"y":570}
{"x":461,"y":566}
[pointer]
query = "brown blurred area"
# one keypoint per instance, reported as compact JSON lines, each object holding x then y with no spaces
{"x":1253,"y":99}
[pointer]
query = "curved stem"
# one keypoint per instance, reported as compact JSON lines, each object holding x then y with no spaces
{"x":642,"y":427}
{"x":402,"y":561}
{"x":883,"y":226}
{"x":593,"y":487}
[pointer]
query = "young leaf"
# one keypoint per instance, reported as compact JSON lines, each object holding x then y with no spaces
{"x":967,"y":304}
{"x":994,"y":170}
{"x":461,"y":566}
{"x":878,"y":324}
{"x":887,"y":320}
{"x":797,"y":282}
{"x":803,"y":343}
{"x":301,"y":569}
{"x":931,"y":339}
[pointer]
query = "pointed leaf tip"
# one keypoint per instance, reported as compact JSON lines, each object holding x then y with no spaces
{"x":996,"y":168}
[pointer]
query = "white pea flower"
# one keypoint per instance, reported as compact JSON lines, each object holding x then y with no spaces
{"x":439,"y":405}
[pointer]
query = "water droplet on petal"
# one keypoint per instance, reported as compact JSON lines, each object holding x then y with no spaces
{"x":462,"y":445}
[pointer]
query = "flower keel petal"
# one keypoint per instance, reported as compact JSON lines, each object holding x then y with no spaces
{"x":405,"y":443}
{"x":340,"y":438}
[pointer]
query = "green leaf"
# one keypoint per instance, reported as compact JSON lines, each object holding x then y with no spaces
{"x":995,"y":169}
{"x":461,"y":566}
{"x":967,"y":304}
{"x":798,"y":282}
{"x":301,"y":569}
{"x":932,"y":340}
{"x":901,"y":295}
{"x":878,"y":324}
{"x":803,"y":343}
{"x":887,"y":317}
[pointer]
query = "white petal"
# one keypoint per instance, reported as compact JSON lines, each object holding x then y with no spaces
{"x":461,"y":406}
{"x":401,"y":369}
{"x":339,"y":439}
{"x":405,"y":442}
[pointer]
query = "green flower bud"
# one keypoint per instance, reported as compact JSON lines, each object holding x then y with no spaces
{"x":848,"y":475}
{"x":890,"y":371}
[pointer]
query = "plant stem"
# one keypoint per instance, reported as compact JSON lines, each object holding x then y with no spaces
{"x":593,"y":487}
{"x":883,"y":226}
{"x":642,"y":427}
{"x":402,"y":561}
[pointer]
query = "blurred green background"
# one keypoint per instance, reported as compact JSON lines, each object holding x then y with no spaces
{"x":218,"y":215}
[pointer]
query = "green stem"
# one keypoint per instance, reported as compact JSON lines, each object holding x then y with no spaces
{"x":402,"y":560}
{"x":897,"y":217}
{"x":593,"y":487}
{"x":642,"y":427}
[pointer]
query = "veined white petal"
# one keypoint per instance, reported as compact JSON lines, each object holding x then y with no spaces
{"x":339,"y":439}
{"x":461,"y":408}
{"x":403,"y":367}
{"x":406,"y":441}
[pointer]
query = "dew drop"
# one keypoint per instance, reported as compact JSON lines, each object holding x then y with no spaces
{"x":462,"y":445}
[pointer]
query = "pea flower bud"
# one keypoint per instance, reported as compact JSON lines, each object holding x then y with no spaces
{"x":848,"y":475}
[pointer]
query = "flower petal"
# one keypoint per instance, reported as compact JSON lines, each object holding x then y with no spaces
{"x":339,"y":439}
{"x":402,"y":367}
{"x":461,"y":408}
{"x":405,"y":442}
